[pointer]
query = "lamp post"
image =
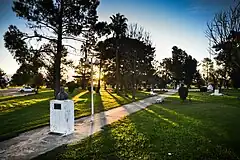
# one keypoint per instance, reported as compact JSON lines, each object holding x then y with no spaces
{"x":92,"y":102}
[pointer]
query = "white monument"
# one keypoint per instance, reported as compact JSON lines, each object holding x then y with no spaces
{"x":62,"y":116}
{"x":178,"y":86}
{"x":216,"y":93}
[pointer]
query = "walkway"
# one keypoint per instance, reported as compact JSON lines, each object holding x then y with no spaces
{"x":35,"y":142}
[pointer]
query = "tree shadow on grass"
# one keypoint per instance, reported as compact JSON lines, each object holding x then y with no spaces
{"x":174,"y":134}
{"x":126,"y":99}
{"x":219,"y":122}
{"x":24,"y":119}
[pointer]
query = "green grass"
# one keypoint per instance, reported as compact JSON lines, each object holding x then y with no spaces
{"x":19,"y":114}
{"x":103,"y":101}
{"x":206,"y":128}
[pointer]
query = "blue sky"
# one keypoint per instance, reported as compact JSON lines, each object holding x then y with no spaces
{"x":170,"y":22}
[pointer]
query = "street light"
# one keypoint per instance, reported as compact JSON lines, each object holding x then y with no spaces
{"x":92,"y":103}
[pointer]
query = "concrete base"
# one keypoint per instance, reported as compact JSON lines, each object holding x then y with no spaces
{"x":216,"y":93}
{"x":62,"y":116}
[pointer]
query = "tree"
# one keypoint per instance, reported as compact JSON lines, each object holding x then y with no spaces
{"x":3,"y":81}
{"x":198,"y":79}
{"x":181,"y":67}
{"x":178,"y":57}
{"x":53,"y":21}
{"x":190,"y":69}
{"x":165,"y":70}
{"x":84,"y":73}
{"x":48,"y":52}
{"x":118,"y":27}
{"x":135,"y":62}
{"x":37,"y":81}
{"x":207,"y":67}
{"x":100,"y":48}
{"x":223,"y":32}
{"x":23,"y":75}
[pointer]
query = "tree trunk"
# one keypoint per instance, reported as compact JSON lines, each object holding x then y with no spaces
{"x":59,"y":52}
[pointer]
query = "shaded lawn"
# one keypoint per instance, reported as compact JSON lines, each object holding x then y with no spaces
{"x":232,"y":92}
{"x":206,"y":128}
{"x":19,"y":114}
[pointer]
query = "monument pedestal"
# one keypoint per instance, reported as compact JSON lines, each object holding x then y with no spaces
{"x":62,"y":116}
{"x":216,"y":93}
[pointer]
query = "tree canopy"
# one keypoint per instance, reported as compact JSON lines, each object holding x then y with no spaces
{"x":53,"y":21}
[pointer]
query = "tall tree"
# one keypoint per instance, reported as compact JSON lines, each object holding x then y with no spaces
{"x":54,"y":21}
{"x":190,"y":69}
{"x":181,"y":67}
{"x":48,"y":52}
{"x":207,"y":68}
{"x":223,"y":32}
{"x":23,"y":75}
{"x":84,"y":73}
{"x":178,"y":57}
{"x":118,"y":26}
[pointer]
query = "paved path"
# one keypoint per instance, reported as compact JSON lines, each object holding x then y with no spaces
{"x":38,"y":141}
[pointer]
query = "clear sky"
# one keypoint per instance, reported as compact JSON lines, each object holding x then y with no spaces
{"x":170,"y":22}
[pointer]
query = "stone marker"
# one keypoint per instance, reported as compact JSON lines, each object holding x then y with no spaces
{"x":62,"y":114}
{"x":216,"y":93}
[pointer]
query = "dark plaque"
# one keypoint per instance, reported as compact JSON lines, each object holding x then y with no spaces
{"x":57,"y":106}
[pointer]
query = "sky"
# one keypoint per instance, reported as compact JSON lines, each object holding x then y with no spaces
{"x":171,"y":23}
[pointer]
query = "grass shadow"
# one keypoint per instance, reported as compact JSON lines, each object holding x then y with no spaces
{"x":119,"y":101}
{"x":24,"y":119}
{"x":170,"y":131}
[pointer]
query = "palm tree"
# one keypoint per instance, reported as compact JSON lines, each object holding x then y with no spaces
{"x":119,"y":27}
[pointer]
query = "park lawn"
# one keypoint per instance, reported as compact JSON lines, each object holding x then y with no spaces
{"x":205,"y":128}
{"x":103,"y":101}
{"x":20,"y":114}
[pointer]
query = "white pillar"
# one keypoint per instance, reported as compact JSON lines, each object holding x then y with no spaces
{"x":92,"y":104}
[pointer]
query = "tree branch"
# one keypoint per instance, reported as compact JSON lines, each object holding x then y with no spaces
{"x":39,"y":36}
{"x":47,"y":26}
